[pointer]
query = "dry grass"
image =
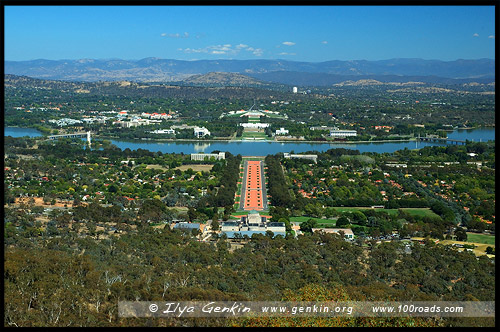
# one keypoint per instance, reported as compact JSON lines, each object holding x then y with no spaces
{"x":478,"y":251}
{"x":196,"y":168}
{"x":157,"y":167}
{"x":39,"y":202}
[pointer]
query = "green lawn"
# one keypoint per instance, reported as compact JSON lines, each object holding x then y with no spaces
{"x":276,"y":116}
{"x":481,"y":238}
{"x":349,"y":209}
{"x":245,"y":212}
{"x":425,"y":212}
{"x":252,"y":158}
{"x":329,"y":222}
{"x":412,"y":211}
{"x":250,"y":134}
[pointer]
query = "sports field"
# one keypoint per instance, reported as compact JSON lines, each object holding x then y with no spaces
{"x":196,"y":167}
{"x":320,"y":222}
{"x":305,"y":218}
{"x":481,"y":238}
{"x":412,"y":211}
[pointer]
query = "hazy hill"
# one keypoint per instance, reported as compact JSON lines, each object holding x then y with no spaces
{"x":324,"y":79}
{"x":223,"y":79}
{"x":15,"y":84}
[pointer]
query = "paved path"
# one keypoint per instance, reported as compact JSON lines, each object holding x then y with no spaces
{"x":253,"y":189}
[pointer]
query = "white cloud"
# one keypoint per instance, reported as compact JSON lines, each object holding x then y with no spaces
{"x":475,"y":35}
{"x":175,"y":35}
{"x":258,"y":52}
{"x":192,"y":50}
{"x":286,"y":53}
{"x":491,"y":37}
{"x":288,"y":43}
{"x":324,"y":42}
{"x":224,"y":49}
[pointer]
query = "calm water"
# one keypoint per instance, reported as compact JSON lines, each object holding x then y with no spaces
{"x":475,"y":135}
{"x":257,"y":148}
{"x":21,"y":132}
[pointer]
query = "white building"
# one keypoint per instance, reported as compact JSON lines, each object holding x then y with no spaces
{"x":156,"y":115}
{"x":252,"y":224}
{"x":201,"y":132}
{"x":133,"y":123}
{"x":163,"y":131}
{"x":321,"y":128}
{"x":230,"y":226}
{"x":202,"y":156}
{"x":65,"y":122}
{"x":282,"y":131}
{"x":256,"y":226}
{"x":397,"y":165}
{"x":276,"y":227}
{"x":252,"y":113}
{"x":313,"y":157}
{"x":343,"y":133}
{"x":348,"y":234}
{"x":254,"y":125}
{"x":294,"y":89}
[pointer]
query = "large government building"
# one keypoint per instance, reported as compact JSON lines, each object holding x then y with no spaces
{"x":252,"y":224}
{"x":203,"y":156}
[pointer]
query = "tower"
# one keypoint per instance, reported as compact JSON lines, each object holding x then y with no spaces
{"x":88,"y":138}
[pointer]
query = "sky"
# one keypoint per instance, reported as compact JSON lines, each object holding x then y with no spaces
{"x":298,"y":33}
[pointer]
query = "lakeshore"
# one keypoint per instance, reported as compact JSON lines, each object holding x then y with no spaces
{"x":265,"y":147}
{"x":230,"y":140}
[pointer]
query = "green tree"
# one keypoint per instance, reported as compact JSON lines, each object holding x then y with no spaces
{"x":152,"y":210}
{"x":288,"y":226}
{"x":460,"y":234}
{"x":343,"y":221}
{"x":359,"y":218}
{"x":308,"y":225}
{"x":215,"y":225}
{"x":490,"y":250}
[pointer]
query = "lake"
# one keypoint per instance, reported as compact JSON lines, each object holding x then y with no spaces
{"x":259,"y":148}
{"x":21,"y":132}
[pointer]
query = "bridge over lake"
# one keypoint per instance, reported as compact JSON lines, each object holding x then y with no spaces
{"x":441,"y":140}
{"x":86,"y":134}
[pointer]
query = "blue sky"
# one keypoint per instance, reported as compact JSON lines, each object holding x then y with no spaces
{"x":299,"y":33}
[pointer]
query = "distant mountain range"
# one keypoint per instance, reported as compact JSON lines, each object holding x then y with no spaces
{"x":278,"y":71}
